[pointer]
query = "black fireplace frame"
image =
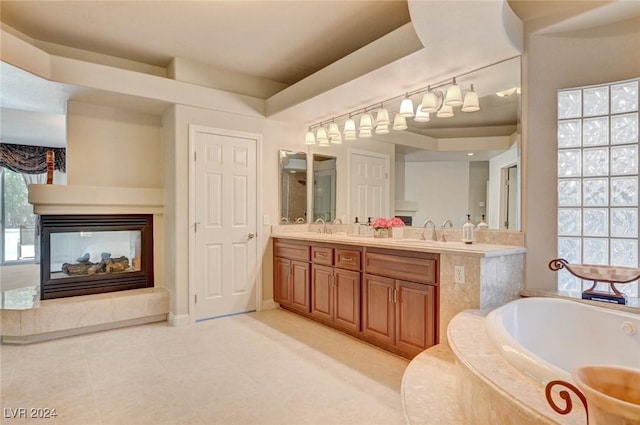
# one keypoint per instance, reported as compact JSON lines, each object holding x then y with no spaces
{"x":96,"y":284}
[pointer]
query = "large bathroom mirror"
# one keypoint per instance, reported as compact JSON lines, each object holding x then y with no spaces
{"x":324,"y":187}
{"x":471,"y":164}
{"x":293,"y":187}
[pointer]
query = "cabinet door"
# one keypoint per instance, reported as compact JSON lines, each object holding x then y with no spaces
{"x":300,"y":286}
{"x":346,"y":296}
{"x":322,"y":292}
{"x":415,"y":316}
{"x":378,"y":308}
{"x":281,"y":276}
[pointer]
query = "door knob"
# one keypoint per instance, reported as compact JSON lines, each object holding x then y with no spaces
{"x":251,"y":235}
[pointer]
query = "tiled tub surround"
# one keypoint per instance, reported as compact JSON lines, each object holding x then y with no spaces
{"x":89,"y":313}
{"x":493,"y":273}
{"x":490,"y":391}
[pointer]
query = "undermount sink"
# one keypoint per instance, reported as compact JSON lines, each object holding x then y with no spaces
{"x":419,"y":242}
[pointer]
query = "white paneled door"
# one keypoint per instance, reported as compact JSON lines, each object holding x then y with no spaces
{"x":225,"y":270}
{"x":369,"y":191}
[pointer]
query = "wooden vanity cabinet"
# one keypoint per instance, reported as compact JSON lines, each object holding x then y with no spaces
{"x":291,"y":275}
{"x":399,"y":300}
{"x":335,"y":286}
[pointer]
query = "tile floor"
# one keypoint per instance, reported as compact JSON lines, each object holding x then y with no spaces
{"x":270,"y":367}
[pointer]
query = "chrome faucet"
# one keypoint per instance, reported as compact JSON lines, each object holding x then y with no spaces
{"x":433,"y":230}
{"x":444,"y":224}
{"x":324,"y":225}
{"x":337,"y":221}
{"x":299,"y":220}
{"x":284,"y":220}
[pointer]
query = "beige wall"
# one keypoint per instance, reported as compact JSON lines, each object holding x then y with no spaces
{"x":274,"y":136}
{"x":113,"y":147}
{"x":552,"y":63}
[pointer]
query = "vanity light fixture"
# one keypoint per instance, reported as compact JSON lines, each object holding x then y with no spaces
{"x":406,"y":107}
{"x":471,"y":102}
{"x":322,"y":137}
{"x":445,"y":111}
{"x":454,"y":95}
{"x":421,"y":116}
{"x":434,"y":100}
{"x":334,"y":131}
{"x":400,"y":121}
{"x":310,"y":138}
{"x":470,"y":153}
{"x":431,"y":100}
{"x":382,"y":117}
{"x":382,"y":129}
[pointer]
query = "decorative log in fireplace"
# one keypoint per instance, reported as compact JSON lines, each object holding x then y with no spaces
{"x":91,"y":254}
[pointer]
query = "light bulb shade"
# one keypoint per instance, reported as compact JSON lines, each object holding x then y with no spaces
{"x":406,"y":108}
{"x":349,"y":126}
{"x":350,"y":136}
{"x":454,"y":95}
{"x":366,"y":122}
{"x":334,"y":131}
{"x":421,"y":116}
{"x":382,"y":129}
{"x":309,"y":138}
{"x":430,"y":102}
{"x":471,"y":102}
{"x":399,"y":122}
{"x":382,"y":118}
{"x":335,"y":140}
{"x":365,"y":132}
{"x":323,"y":143}
{"x":445,"y":112}
{"x":321,"y":136}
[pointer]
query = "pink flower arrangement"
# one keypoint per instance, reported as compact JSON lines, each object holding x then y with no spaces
{"x":383,"y":223}
{"x":380,"y":223}
{"x":395,"y":222}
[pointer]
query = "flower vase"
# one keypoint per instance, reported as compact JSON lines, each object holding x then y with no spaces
{"x":380,"y":232}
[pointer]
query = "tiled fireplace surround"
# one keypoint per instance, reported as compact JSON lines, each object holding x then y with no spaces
{"x":67,"y":316}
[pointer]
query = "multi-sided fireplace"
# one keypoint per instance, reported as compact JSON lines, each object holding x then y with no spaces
{"x":91,"y":254}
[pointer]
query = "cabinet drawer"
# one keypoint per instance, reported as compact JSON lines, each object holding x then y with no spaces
{"x":322,"y":255}
{"x":347,"y":259}
{"x":292,"y":251}
{"x":421,"y":270}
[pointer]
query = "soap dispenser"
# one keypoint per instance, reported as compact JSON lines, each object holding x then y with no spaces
{"x":467,"y":231}
{"x":483,"y":224}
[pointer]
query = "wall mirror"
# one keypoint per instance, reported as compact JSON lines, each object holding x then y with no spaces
{"x":293,"y":187}
{"x":324,"y":188}
{"x":469,"y":163}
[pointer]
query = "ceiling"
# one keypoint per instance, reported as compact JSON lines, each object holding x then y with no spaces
{"x":282,"y":41}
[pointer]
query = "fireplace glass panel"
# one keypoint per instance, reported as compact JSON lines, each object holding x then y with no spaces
{"x":94,"y":253}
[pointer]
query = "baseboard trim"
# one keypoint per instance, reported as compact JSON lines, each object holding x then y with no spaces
{"x":178,"y":319}
{"x":268,"y":305}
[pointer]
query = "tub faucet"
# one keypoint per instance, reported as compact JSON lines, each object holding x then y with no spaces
{"x":324,"y":225}
{"x":433,"y":230}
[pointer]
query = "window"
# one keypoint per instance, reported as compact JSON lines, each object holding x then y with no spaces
{"x":598,"y":179}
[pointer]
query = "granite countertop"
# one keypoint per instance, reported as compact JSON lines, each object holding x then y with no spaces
{"x":416,"y":245}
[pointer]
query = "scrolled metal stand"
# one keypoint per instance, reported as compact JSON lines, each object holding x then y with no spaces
{"x":564,"y":395}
